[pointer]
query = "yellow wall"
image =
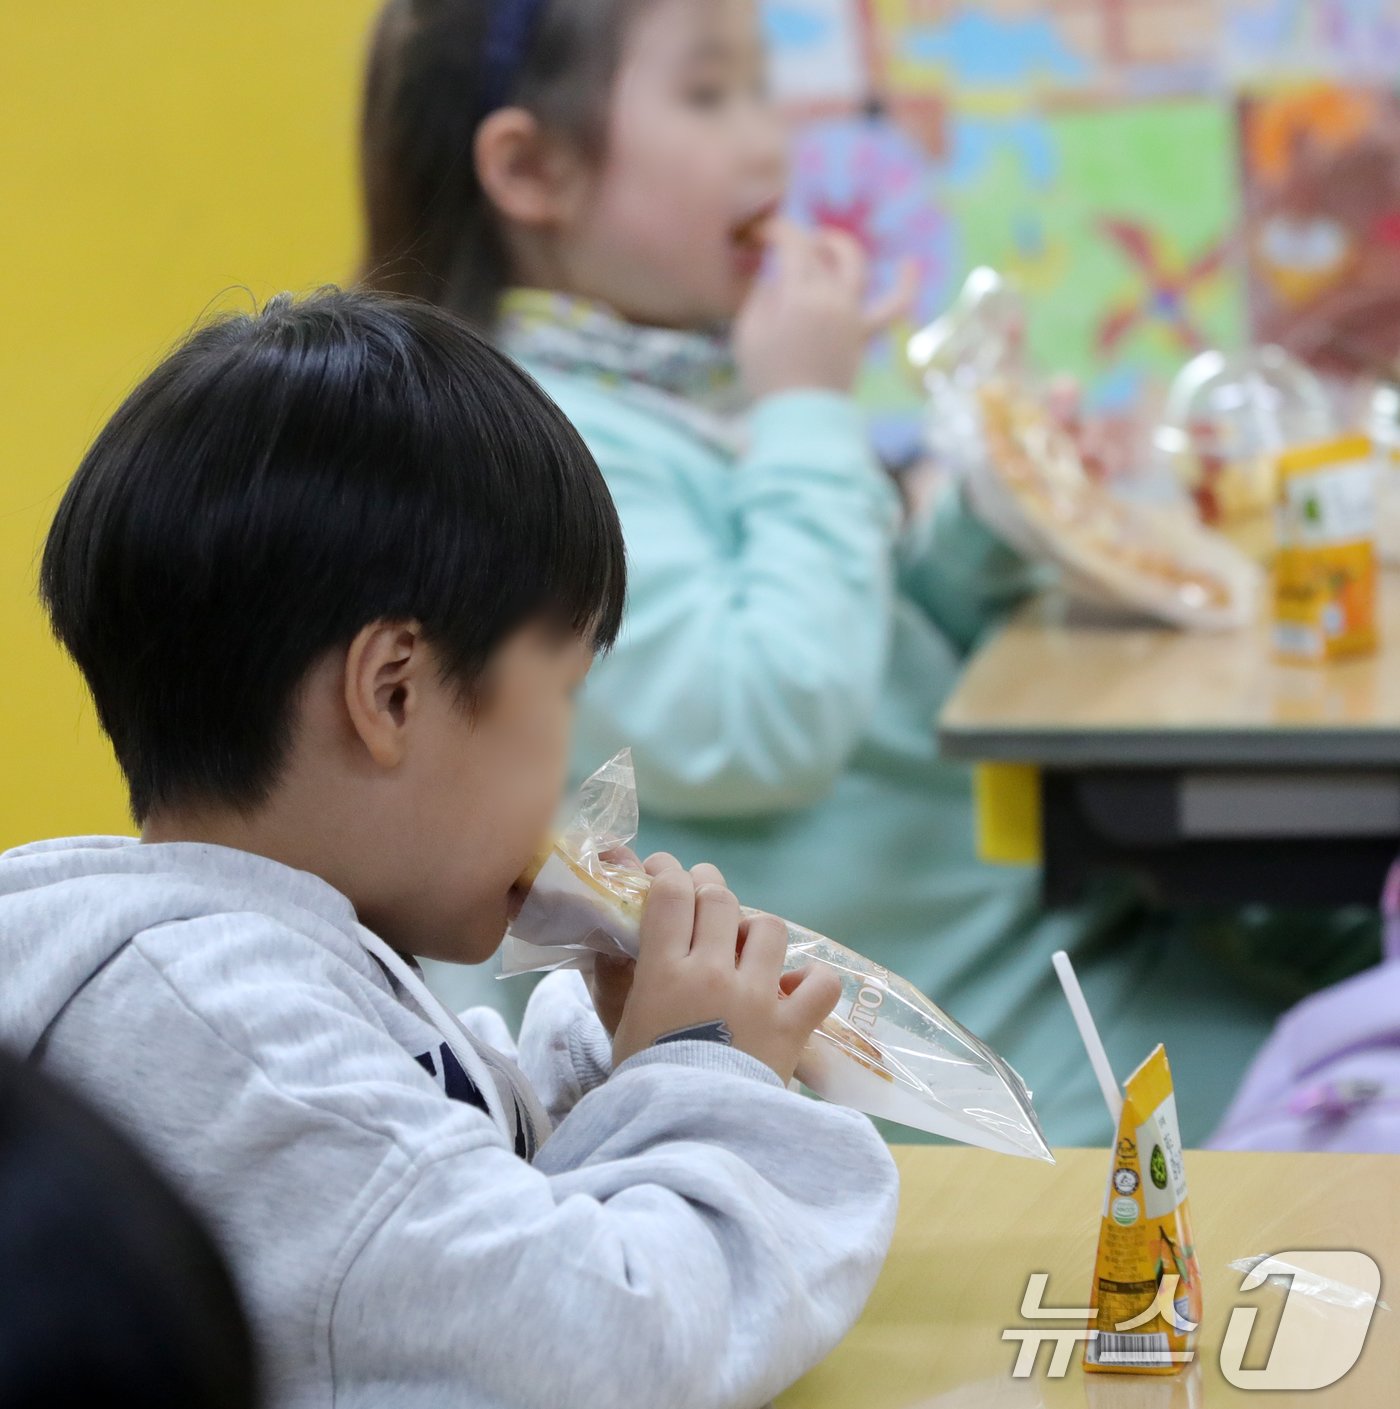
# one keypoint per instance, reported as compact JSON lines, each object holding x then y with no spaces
{"x":153,"y":153}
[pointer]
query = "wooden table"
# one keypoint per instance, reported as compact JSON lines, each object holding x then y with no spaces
{"x":973,"y":1226}
{"x":1217,"y":773}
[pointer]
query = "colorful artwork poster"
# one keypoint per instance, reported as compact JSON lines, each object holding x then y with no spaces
{"x":1159,"y":175}
{"x":1118,"y":224}
{"x":1120,"y":232}
{"x":1269,"y":43}
{"x":817,"y":50}
{"x":1322,"y":201}
{"x":1025,"y":51}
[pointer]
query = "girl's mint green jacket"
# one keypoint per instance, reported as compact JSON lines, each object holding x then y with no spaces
{"x":786,"y":650}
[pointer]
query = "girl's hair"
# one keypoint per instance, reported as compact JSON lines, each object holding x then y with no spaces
{"x":432,"y":232}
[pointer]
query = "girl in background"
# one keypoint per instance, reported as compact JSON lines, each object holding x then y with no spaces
{"x":597,"y":182}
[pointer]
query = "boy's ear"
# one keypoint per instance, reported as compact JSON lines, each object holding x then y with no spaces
{"x":531,"y":177}
{"x":384,"y":674}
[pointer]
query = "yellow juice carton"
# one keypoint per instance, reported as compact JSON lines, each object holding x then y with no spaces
{"x":1325,"y":574}
{"x":1147,"y":1284}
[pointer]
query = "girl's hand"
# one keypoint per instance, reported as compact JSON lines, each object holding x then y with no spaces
{"x":802,"y":326}
{"x":702,"y":966}
{"x":805,"y":326}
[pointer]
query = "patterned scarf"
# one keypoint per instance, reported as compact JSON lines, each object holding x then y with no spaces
{"x":688,"y":378}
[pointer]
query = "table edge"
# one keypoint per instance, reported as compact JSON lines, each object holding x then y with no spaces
{"x":1065,"y":747}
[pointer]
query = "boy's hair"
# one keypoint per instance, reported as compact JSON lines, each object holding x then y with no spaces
{"x":112,"y":1292}
{"x":431,"y":229}
{"x":286,"y":478}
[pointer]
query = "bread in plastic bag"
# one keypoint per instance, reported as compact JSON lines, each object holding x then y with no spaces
{"x":886,"y":1049}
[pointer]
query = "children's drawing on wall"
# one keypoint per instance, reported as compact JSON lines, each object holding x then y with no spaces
{"x":1157,"y":176}
{"x":1322,"y":170}
{"x":1273,"y":42}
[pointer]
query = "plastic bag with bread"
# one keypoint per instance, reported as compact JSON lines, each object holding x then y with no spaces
{"x":886,"y":1049}
{"x":1025,"y":477}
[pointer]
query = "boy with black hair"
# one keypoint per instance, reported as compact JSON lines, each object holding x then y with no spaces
{"x":332,"y":573}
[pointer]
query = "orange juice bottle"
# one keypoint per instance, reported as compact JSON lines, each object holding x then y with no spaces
{"x":1325,"y":574}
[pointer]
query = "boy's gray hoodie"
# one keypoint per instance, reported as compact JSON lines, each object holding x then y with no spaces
{"x":690,"y":1233}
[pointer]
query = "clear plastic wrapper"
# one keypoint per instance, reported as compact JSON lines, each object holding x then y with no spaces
{"x":1227,"y":419}
{"x":886,"y":1049}
{"x":1023,"y":474}
{"x":1310,"y":1282}
{"x":1383,"y":425}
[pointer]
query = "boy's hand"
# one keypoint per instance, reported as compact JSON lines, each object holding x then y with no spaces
{"x":700,"y":964}
{"x":611,"y":979}
{"x":608,"y":986}
{"x":804,"y":326}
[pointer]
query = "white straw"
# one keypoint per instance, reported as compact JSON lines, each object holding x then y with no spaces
{"x":1093,"y":1044}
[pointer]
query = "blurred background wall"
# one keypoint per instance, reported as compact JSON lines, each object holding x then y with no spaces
{"x":155,"y":156}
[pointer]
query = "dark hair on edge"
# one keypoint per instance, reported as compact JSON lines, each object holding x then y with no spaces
{"x":282,"y":480}
{"x":431,"y":230}
{"x":113,"y":1290}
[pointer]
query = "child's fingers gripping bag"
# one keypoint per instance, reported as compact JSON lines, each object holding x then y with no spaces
{"x":886,"y":1049}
